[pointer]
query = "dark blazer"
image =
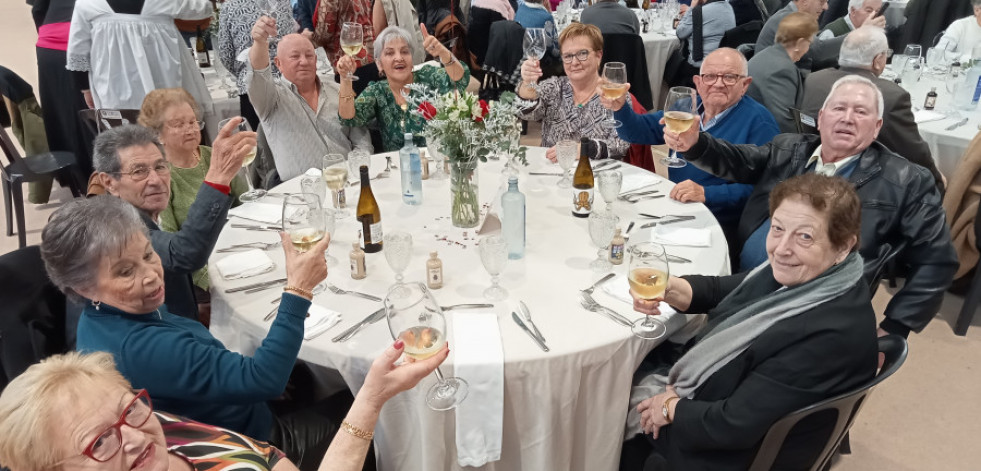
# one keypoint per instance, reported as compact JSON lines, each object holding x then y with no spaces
{"x":899,"y":131}
{"x":797,"y":362}
{"x":187,"y":250}
{"x":777,"y":84}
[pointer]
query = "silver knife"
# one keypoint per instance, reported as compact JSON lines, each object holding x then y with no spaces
{"x":517,"y":320}
{"x":527,"y":315}
{"x":252,"y":227}
{"x":677,"y":259}
{"x":546,"y":174}
{"x":260,"y":284}
{"x":680,"y":219}
{"x":371,"y":319}
{"x":957,"y":124}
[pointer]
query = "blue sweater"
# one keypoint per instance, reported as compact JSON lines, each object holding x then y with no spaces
{"x":747,"y":122}
{"x":190,"y":373}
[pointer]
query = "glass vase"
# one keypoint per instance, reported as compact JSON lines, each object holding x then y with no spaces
{"x":465,"y":210}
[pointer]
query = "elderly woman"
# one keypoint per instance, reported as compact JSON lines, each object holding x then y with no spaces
{"x":90,"y":417}
{"x":777,"y":82}
{"x":176,"y":117}
{"x":793,"y":331}
{"x":98,"y":253}
{"x":569,"y":105}
{"x":383,"y":99}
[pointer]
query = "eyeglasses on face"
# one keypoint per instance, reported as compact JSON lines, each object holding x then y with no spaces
{"x":580,"y":56}
{"x":105,"y":446}
{"x":728,"y":79}
{"x":141,"y":172}
{"x":179,"y":125}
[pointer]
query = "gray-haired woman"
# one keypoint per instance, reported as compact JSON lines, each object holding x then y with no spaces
{"x":383,"y":99}
{"x":98,"y":250}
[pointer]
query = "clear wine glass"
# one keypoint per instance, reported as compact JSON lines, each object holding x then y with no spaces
{"x":415,"y":317}
{"x":680,"y":108}
{"x":398,"y":252}
{"x":614,"y":86}
{"x":912,"y":70}
{"x":356,"y":158}
{"x":330,"y":224}
{"x":935,"y":61}
{"x":534,"y":46}
{"x":610,"y":182}
{"x":437,"y":157}
{"x":602,"y":226}
{"x":566,"y":153}
{"x":956,"y":78}
{"x":494,"y":255}
{"x":335,"y":175}
{"x":303,"y":220}
{"x":254,"y":193}
{"x":270,"y":8}
{"x":648,"y":279}
{"x":352,"y":41}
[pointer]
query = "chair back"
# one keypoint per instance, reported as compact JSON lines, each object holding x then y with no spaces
{"x":15,"y":168}
{"x":503,"y":57}
{"x":747,"y":50}
{"x":108,"y":119}
{"x":742,"y":34}
{"x":846,"y":406}
{"x":629,"y":49}
{"x":806,"y":124}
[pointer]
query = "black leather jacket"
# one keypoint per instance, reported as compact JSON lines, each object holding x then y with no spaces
{"x":901,"y":208}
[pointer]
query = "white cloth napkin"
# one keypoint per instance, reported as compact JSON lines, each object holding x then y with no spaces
{"x":260,"y":212}
{"x":318,"y":320}
{"x":924,"y":116}
{"x":244,"y":264}
{"x":637,"y":180}
{"x":480,"y":361}
{"x":687,"y":236}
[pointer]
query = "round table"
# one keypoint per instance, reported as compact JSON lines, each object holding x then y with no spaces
{"x":658,"y":48}
{"x":562,"y":410}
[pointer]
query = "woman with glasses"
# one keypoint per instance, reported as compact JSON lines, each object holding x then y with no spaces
{"x":777,"y":82}
{"x":174,"y":114}
{"x":76,"y":412}
{"x":569,"y":106}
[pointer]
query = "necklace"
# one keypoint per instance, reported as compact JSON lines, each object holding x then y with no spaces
{"x":195,"y":159}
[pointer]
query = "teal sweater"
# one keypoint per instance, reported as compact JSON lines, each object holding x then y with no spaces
{"x":190,"y":373}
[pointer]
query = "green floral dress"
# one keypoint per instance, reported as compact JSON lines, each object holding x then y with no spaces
{"x":377,"y":102}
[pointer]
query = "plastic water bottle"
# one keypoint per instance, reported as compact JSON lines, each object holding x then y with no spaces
{"x":411,"y":170}
{"x":513,"y":224}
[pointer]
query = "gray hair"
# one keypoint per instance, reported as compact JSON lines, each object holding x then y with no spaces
{"x":976,"y":3}
{"x":855,"y":4}
{"x":740,"y":58}
{"x":862,"y":46}
{"x":80,"y":233}
{"x":857,"y":79}
{"x":105,"y":156}
{"x":390,"y":34}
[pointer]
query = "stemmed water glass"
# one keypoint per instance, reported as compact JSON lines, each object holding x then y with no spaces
{"x":494,"y":255}
{"x":398,"y":252}
{"x":352,"y":41}
{"x":614,"y":86}
{"x":648,"y":280}
{"x":602,"y":226}
{"x":534,"y":46}
{"x":956,"y":78}
{"x":437,"y":157}
{"x":566,"y":153}
{"x":335,"y":175}
{"x":303,"y":220}
{"x":415,"y":317}
{"x":912,"y":70}
{"x":356,"y":159}
{"x":254,"y":193}
{"x":680,"y":109}
{"x":330,"y":224}
{"x":610,"y":182}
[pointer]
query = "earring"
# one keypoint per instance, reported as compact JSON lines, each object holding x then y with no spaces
{"x":97,"y":304}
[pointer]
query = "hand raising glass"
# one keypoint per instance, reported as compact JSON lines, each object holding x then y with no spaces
{"x":680,"y":109}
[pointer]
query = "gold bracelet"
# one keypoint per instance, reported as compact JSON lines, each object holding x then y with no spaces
{"x":303,"y":292}
{"x":666,"y":408}
{"x":357,"y":432}
{"x":347,"y":96}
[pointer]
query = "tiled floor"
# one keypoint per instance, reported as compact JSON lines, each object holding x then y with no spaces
{"x":927,"y":417}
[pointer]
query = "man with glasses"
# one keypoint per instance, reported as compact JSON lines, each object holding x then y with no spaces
{"x":131,"y":165}
{"x":727,"y":113}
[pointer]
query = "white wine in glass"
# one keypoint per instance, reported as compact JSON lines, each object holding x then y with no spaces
{"x":254,"y":193}
{"x":648,"y":278}
{"x":352,"y":41}
{"x":680,"y":109}
{"x":614,"y":86}
{"x":335,"y":176}
{"x":303,"y":220}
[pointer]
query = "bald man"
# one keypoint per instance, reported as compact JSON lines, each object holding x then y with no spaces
{"x":298,"y":112}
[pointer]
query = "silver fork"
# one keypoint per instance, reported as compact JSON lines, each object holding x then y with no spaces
{"x":590,"y":304}
{"x":636,"y":198}
{"x":336,"y":290}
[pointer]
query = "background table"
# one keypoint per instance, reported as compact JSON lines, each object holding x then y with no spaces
{"x":658,"y":48}
{"x":563,"y":410}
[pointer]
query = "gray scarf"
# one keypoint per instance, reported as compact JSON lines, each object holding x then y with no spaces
{"x":737,"y":330}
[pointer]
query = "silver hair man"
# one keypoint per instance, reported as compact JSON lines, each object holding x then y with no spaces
{"x":856,"y":79}
{"x":865,"y":48}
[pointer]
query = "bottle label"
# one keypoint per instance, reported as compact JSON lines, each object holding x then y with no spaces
{"x":931,"y":102}
{"x":616,"y":253}
{"x":582,"y":200}
{"x":435,"y":277}
{"x":373,"y":234}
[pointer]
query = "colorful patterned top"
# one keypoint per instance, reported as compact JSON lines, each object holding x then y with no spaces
{"x":378,"y":102}
{"x":329,"y":20}
{"x":209,"y":448}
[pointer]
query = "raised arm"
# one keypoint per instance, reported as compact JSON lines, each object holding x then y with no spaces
{"x":737,"y":163}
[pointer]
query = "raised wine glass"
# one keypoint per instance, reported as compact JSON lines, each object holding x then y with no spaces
{"x":352,"y":41}
{"x":254,"y":193}
{"x":602,"y":226}
{"x":534,"y":46}
{"x":335,"y":175}
{"x":270,"y":8}
{"x":614,"y":86}
{"x":680,"y":108}
{"x":493,"y":255}
{"x":303,"y":220}
{"x":610,"y":182}
{"x":398,"y":252}
{"x":566,"y":153}
{"x":415,"y":317}
{"x":648,"y":279}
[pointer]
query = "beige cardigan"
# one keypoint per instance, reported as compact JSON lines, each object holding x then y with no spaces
{"x":961,"y":205}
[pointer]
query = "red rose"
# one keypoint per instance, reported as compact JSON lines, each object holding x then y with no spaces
{"x":428,"y":110}
{"x":484,"y":109}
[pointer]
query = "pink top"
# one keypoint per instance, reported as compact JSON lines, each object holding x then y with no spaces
{"x":53,"y":36}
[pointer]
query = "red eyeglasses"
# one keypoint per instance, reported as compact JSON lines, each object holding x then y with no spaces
{"x":104,"y":447}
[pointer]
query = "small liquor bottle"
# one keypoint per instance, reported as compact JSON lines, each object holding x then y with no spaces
{"x":931,"y":99}
{"x":434,"y":271}
{"x":616,"y":248}
{"x":358,"y":271}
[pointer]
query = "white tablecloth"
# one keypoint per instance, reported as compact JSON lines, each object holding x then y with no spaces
{"x":563,"y":410}
{"x":658,"y":48}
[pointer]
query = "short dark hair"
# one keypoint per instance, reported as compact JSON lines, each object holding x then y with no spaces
{"x":105,"y":155}
{"x":835,"y":197}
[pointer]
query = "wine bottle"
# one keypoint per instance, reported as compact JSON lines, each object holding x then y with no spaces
{"x":411,"y":170}
{"x":582,"y":184}
{"x":513,"y":226}
{"x":369,"y":215}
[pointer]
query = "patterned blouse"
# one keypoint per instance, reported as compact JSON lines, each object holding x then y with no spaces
{"x":235,"y":22}
{"x":563,"y":119}
{"x":209,"y":448}
{"x":328,"y":21}
{"x":378,"y":102}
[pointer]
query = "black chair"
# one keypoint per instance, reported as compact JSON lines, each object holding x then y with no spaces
{"x":974,"y":293}
{"x":629,"y":49}
{"x":742,"y":34}
{"x":19,"y":170}
{"x":845,"y":406}
{"x":806,"y":124}
{"x":107,"y":119}
{"x":747,"y":50}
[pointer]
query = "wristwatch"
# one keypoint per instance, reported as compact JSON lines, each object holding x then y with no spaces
{"x":664,"y":407}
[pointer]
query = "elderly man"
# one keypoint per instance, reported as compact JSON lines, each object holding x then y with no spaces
{"x":858,"y":12}
{"x":131,"y":165}
{"x":901,"y":207}
{"x":299,"y":112}
{"x":863,"y":53}
{"x":727,"y":113}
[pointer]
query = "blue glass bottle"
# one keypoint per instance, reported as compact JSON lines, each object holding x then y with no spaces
{"x":411,"y":170}
{"x":513,"y":221}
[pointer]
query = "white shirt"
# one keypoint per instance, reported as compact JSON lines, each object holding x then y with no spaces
{"x":828,"y":169}
{"x":962,"y":35}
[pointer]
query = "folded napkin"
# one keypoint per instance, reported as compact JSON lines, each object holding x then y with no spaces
{"x":924,"y":116}
{"x":268,"y":213}
{"x":480,"y":361}
{"x":318,"y":320}
{"x":619,"y":288}
{"x":245,"y":264}
{"x":687,"y":236}
{"x":637,"y":180}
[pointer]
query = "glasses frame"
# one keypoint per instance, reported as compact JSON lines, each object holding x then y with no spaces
{"x":141,"y":394}
{"x":582,"y":55}
{"x":187,"y":124}
{"x":710,"y":79}
{"x":161,"y":168}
